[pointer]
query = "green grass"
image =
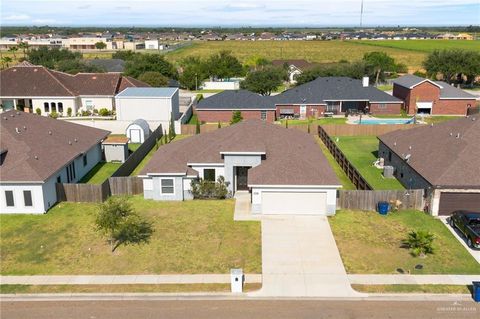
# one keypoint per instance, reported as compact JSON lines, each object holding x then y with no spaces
{"x":361,"y":151}
{"x":387,"y":87}
{"x":313,"y":51}
{"x":190,"y":237}
{"x":133,"y":288}
{"x":370,"y":243}
{"x":134,"y":146}
{"x":439,"y":119}
{"x":346,"y":183}
{"x":100,"y":172}
{"x":430,"y":289}
{"x":424,"y":45}
{"x":149,"y":155}
{"x":325,"y":120}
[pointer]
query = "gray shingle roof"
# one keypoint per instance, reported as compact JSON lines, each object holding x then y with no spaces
{"x":236,"y":99}
{"x":446,"y":90}
{"x":409,"y":80}
{"x":109,"y":65}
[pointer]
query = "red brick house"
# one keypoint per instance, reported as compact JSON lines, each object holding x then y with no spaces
{"x":431,"y":97}
{"x":335,"y":95}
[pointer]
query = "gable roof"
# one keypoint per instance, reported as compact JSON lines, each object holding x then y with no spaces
{"x":447,"y":91}
{"x":324,"y":89}
{"x":438,"y":155}
{"x":236,"y":100}
{"x":27,"y":80}
{"x":38,"y":146}
{"x":292,"y":157}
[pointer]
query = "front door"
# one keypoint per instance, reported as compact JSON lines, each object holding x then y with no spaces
{"x":242,"y":180}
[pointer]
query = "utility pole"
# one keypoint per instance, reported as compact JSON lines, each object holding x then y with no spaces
{"x":361,"y":15}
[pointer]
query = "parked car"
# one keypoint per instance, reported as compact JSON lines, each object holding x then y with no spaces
{"x":468,"y":223}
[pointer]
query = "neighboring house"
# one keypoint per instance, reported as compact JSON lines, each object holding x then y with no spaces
{"x":425,"y":96}
{"x":294,"y":67}
{"x":36,"y":153}
{"x":284,"y":170}
{"x":155,"y":104}
{"x":109,"y":65}
{"x":151,"y":45}
{"x":223,"y":84}
{"x":334,"y":95}
{"x":443,"y":159}
{"x":28,"y":87}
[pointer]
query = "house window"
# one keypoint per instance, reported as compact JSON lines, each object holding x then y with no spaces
{"x":46,"y":107}
{"x":27,"y":198}
{"x":167,"y":186}
{"x":85,"y":160}
{"x":89,"y":104}
{"x":60,"y":107}
{"x":9,"y":198}
{"x":209,"y":174}
{"x":263,"y":115}
{"x":389,"y":156}
{"x":54,"y":107}
{"x":59,"y":179}
{"x":382,"y":106}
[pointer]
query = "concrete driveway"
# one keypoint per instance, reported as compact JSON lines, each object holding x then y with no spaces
{"x":474,"y":252}
{"x":300,"y":259}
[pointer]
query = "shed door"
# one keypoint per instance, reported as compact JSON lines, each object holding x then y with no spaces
{"x":294,"y":203}
{"x":450,"y":202}
{"x":135,"y":136}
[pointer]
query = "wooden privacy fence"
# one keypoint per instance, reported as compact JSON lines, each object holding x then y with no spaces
{"x":191,"y":129}
{"x":97,"y":193}
{"x":352,"y":173}
{"x":355,"y":130}
{"x":368,"y":199}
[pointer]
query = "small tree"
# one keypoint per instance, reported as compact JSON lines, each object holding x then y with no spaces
{"x":38,"y":111}
{"x":219,"y":125}
{"x":420,"y":243}
{"x":171,"y":129}
{"x":69,"y":112}
{"x":236,"y":117}
{"x":100,"y":45}
{"x":286,"y":123}
{"x":155,"y":79}
{"x":117,"y":219}
{"x":165,"y":137}
{"x":197,"y":127}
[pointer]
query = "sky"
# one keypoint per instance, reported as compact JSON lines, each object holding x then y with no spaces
{"x":213,"y":13}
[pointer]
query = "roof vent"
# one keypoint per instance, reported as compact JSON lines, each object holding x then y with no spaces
{"x":18,"y":113}
{"x":410,"y":147}
{"x":5,"y":118}
{"x":12,"y":115}
{"x":35,"y":70}
{"x":458,"y":135}
{"x":36,"y":157}
{"x":394,"y":143}
{"x":24,"y":128}
{"x":49,"y":132}
{"x":69,"y":142}
{"x":473,"y":119}
{"x":451,"y":134}
{"x":76,"y":140}
{"x":17,"y":130}
{"x":14,"y":70}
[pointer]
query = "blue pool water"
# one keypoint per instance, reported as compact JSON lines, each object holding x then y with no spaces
{"x":385,"y":121}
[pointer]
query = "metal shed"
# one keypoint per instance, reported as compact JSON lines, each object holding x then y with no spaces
{"x":138,"y":131}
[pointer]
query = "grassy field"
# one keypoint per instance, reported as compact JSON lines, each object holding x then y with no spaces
{"x":370,"y":243}
{"x":423,"y":45}
{"x":190,"y":237}
{"x":100,"y":172}
{"x":36,"y":289}
{"x":362,"y":152}
{"x":430,"y":289}
{"x":346,"y":183}
{"x":313,"y":51}
{"x":149,"y":155}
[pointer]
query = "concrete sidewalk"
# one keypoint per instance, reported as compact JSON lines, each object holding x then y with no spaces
{"x":125,"y":279}
{"x":413,"y":279}
{"x":243,"y":207}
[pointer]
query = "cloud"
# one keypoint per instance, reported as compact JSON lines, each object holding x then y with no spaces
{"x":84,"y":7}
{"x":16,"y":17}
{"x":44,"y":21}
{"x":122,"y":8}
{"x":243,"y":6}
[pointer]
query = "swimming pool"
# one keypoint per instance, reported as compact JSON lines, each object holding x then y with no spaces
{"x":377,"y":121}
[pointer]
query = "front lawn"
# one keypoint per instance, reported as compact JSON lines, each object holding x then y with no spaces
{"x":190,"y":237}
{"x":100,"y":173}
{"x":370,"y":243}
{"x":362,"y":152}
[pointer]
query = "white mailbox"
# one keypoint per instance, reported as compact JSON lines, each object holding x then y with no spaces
{"x":236,"y":280}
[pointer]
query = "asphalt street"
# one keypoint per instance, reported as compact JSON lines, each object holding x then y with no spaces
{"x":265,"y":309}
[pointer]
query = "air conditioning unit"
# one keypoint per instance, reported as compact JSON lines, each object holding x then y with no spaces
{"x":388,"y":171}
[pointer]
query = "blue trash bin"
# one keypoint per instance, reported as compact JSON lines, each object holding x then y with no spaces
{"x":383,"y":208}
{"x":476,"y":291}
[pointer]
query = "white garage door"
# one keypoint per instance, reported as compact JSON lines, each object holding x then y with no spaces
{"x":135,"y":136}
{"x":295,"y":203}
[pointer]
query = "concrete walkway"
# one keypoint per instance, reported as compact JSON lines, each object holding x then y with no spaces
{"x":413,"y":279}
{"x":125,"y":279}
{"x":243,"y":207}
{"x":300,"y":259}
{"x":475,"y":253}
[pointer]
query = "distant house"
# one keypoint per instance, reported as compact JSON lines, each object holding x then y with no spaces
{"x":425,"y":96}
{"x":294,"y":67}
{"x":28,"y":87}
{"x":36,"y":153}
{"x":442,"y":159}
{"x":284,"y":170}
{"x":334,"y":95}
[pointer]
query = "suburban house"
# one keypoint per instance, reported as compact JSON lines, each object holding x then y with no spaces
{"x":294,"y":67}
{"x":442,"y":159}
{"x":284,"y":170}
{"x":425,"y":96}
{"x":325,"y":95}
{"x":36,"y":153}
{"x":28,"y":87}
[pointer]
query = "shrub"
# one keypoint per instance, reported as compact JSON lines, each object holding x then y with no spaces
{"x":236,"y":117}
{"x":95,"y":111}
{"x":197,"y":127}
{"x":199,"y":97}
{"x":69,"y":112}
{"x":104,"y":112}
{"x":38,"y":111}
{"x":53,"y":115}
{"x":202,"y":189}
{"x":86,"y":113}
{"x":419,"y":242}
{"x":219,"y":125}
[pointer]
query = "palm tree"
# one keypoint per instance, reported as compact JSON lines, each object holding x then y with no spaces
{"x":13,"y":50}
{"x":6,"y":60}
